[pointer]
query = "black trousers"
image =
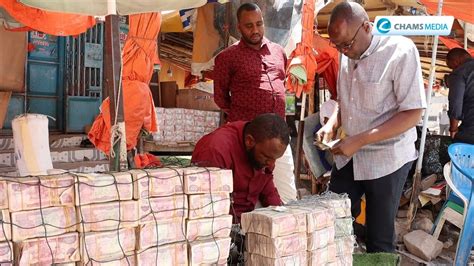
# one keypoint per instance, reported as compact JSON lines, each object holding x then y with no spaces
{"x":382,"y":197}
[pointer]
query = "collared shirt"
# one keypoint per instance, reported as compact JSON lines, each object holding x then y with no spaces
{"x":386,"y":80}
{"x":461,"y":94}
{"x":224,"y":148}
{"x":249,"y":82}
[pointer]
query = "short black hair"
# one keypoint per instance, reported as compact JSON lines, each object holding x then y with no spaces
{"x":457,"y":53}
{"x":268,"y":126}
{"x":246,"y":7}
{"x":350,"y":12}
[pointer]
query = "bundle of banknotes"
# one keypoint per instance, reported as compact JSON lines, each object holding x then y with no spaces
{"x":276,"y":247}
{"x":323,"y":255}
{"x":157,"y":182}
{"x":6,"y":253}
{"x":294,"y":259}
{"x":274,"y":221}
{"x":107,"y":216}
{"x":172,"y":254}
{"x":3,"y":195}
{"x":215,"y":227}
{"x":208,"y":205}
{"x":321,"y":238}
{"x":5,"y":226}
{"x":151,"y":209}
{"x":160,"y":233}
{"x":209,"y":252}
{"x":207,"y":180}
{"x":97,"y":188}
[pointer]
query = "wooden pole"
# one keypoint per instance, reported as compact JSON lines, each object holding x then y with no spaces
{"x":112,"y":68}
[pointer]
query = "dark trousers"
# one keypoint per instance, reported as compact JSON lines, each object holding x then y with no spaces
{"x":382,"y":197}
{"x":464,"y":135}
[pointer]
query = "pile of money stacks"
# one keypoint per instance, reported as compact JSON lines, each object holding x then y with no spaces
{"x":184,"y":125}
{"x":209,"y":224}
{"x":166,"y":216}
{"x":314,"y":231}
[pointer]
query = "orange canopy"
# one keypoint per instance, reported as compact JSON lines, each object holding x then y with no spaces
{"x":451,"y":43}
{"x":58,"y":24}
{"x":328,"y":63}
{"x":460,"y":9}
{"x":140,"y":53}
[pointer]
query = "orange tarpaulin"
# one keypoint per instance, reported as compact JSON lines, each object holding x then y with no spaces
{"x":140,"y":53}
{"x":451,"y":43}
{"x":58,"y":24}
{"x":328,"y":63}
{"x":460,"y":9}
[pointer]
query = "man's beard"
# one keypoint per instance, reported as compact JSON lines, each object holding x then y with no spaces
{"x":249,"y":40}
{"x":253,"y":162}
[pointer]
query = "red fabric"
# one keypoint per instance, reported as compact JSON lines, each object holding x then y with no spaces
{"x":460,"y":9}
{"x":328,"y":63}
{"x":304,"y":53}
{"x":242,"y":71}
{"x":139,"y":55}
{"x":146,"y":160}
{"x":224,"y":148}
{"x":54,"y":23}
{"x":451,"y":43}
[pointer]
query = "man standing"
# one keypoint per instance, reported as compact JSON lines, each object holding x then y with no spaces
{"x":461,"y":95}
{"x":249,"y":80}
{"x":250,"y":149}
{"x":380,"y":101}
{"x":444,"y":121}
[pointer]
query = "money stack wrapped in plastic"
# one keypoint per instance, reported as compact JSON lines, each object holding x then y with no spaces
{"x":40,"y":220}
{"x":209,"y":223}
{"x":107,"y":217}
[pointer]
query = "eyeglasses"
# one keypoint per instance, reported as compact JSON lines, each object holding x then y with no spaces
{"x":346,"y":47}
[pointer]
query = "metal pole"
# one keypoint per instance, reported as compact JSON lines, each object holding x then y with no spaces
{"x":465,"y":36}
{"x":417,"y":177}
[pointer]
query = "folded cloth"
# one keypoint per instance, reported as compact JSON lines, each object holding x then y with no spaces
{"x":276,"y":247}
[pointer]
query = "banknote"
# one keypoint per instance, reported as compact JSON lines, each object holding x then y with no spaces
{"x":5,"y":226}
{"x":207,"y":180}
{"x":208,"y":205}
{"x":344,"y":245}
{"x":3,"y":195}
{"x":216,"y":227}
{"x":341,"y":206}
{"x":107,"y":216}
{"x":160,"y":233}
{"x":129,"y":259}
{"x":207,"y":252}
{"x":317,"y":217}
{"x":51,"y":221}
{"x":55,"y":191}
{"x":274,"y":221}
{"x":97,"y":188}
{"x":107,"y":246}
{"x":6,"y":253}
{"x":322,"y":256}
{"x":321,"y":238}
{"x":159,"y":182}
{"x":162,"y":208}
{"x":259,"y":260}
{"x":343,"y":227}
{"x":276,"y":247}
{"x":175,"y":254}
{"x":47,"y":251}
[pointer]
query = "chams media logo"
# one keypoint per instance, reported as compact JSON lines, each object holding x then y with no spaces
{"x":384,"y":25}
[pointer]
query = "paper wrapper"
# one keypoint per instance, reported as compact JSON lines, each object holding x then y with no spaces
{"x":174,"y":254}
{"x":64,"y":249}
{"x":56,"y":191}
{"x":317,"y":217}
{"x":321,"y":238}
{"x":3,"y":195}
{"x":162,"y":208}
{"x":212,"y":251}
{"x":208,"y":205}
{"x":5,"y":226}
{"x":157,"y":182}
{"x":207,"y":180}
{"x":218,"y":227}
{"x":106,"y":216}
{"x":322,"y":256}
{"x":6,"y":253}
{"x":273,"y":223}
{"x":259,"y":260}
{"x":345,"y":246}
{"x":97,"y":188}
{"x":343,"y":227}
{"x":169,"y":231}
{"x":341,"y":206}
{"x":57,"y":220}
{"x":129,"y":260}
{"x":275,"y":247}
{"x":105,"y":246}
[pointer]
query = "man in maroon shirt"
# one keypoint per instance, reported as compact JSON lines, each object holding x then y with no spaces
{"x":249,"y":75}
{"x":250,"y":149}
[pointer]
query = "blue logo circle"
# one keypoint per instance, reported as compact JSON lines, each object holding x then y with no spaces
{"x":384,"y":25}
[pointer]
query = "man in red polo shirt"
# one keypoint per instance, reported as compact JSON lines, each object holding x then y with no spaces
{"x":250,"y":149}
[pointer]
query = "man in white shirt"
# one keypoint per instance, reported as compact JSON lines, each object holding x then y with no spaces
{"x":380,"y":101}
